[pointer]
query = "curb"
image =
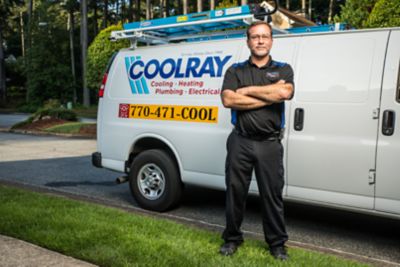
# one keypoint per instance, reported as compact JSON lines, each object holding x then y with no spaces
{"x":41,"y":133}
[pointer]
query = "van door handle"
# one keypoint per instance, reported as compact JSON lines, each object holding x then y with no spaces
{"x":389,"y":117}
{"x":298,"y":119}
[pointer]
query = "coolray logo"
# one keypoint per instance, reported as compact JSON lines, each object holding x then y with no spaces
{"x":192,"y":67}
{"x":138,"y":86}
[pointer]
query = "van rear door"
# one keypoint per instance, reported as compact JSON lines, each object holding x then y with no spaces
{"x":388,"y":153}
{"x":334,"y":123}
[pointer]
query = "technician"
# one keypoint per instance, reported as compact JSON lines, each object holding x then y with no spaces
{"x":255,"y":91}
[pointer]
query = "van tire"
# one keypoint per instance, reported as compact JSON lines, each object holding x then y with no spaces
{"x":154,"y":180}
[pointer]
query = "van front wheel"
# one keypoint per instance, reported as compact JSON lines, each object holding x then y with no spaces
{"x":154,"y":180}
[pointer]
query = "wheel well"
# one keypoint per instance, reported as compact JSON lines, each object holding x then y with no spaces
{"x":150,"y":143}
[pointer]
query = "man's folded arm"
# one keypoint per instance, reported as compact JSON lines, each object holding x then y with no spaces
{"x":273,"y":93}
{"x":234,"y":100}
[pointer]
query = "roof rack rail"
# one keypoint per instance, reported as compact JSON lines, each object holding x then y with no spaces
{"x":318,"y":28}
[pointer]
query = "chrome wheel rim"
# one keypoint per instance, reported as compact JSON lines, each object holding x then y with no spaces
{"x":151,"y":181}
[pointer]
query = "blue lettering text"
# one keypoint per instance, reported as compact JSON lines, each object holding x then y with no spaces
{"x":195,"y":67}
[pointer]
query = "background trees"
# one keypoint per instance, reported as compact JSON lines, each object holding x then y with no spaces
{"x":386,"y":13}
{"x":41,"y":55}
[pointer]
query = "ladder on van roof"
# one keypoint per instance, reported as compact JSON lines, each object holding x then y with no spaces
{"x":208,"y":25}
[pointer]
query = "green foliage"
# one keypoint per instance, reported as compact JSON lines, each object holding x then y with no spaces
{"x":386,"y":13}
{"x":111,"y":237}
{"x":226,"y":3}
{"x":355,"y":12}
{"x":99,"y":53}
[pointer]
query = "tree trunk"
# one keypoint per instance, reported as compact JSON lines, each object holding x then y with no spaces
{"x":3,"y":92}
{"x":199,"y":5}
{"x":161,"y":8}
{"x":303,"y":7}
{"x":71,"y":27}
{"x":185,"y":7}
{"x":21,"y":24}
{"x":180,"y":8}
{"x":95,"y":18}
{"x":287,"y":4}
{"x":130,"y":11}
{"x":330,"y":14}
{"x":27,"y":61}
{"x":123,"y":13}
{"x":105,"y":18}
{"x":309,"y":9}
{"x":84,"y":44}
{"x":138,"y":11}
{"x":167,"y":7}
{"x":116,"y":11}
{"x":148,"y":7}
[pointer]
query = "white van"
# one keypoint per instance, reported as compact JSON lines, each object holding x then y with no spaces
{"x":161,"y":121}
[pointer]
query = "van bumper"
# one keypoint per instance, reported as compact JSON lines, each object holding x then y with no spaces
{"x":96,"y":159}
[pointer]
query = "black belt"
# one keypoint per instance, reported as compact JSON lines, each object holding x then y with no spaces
{"x":260,"y":137}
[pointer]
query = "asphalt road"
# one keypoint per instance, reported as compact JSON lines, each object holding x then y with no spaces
{"x":8,"y":120}
{"x":64,"y":165}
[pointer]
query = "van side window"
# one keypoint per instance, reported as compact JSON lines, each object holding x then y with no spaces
{"x":398,"y":86}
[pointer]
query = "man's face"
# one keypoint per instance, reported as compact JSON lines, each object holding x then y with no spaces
{"x":259,"y":41}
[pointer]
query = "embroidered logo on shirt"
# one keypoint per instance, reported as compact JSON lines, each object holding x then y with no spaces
{"x":273,"y":76}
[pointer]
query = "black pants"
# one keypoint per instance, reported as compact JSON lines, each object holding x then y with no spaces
{"x":266,"y":158}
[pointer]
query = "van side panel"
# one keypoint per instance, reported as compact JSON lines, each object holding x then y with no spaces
{"x":388,"y":155}
{"x":338,"y":82}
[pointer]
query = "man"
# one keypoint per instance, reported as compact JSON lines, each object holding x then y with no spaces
{"x":255,"y":90}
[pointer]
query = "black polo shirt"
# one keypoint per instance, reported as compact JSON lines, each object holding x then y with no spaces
{"x":265,"y":120}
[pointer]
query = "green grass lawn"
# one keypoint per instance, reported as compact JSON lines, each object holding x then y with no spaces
{"x":111,"y":237}
{"x":68,"y":128}
{"x":90,"y":112}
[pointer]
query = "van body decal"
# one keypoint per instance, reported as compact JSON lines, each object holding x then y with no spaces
{"x":207,"y":114}
{"x":139,"y":71}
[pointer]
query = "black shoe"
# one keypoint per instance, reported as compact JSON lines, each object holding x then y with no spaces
{"x":229,"y":248}
{"x":279,"y":253}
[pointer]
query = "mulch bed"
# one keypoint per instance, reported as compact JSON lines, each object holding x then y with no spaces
{"x":40,"y":125}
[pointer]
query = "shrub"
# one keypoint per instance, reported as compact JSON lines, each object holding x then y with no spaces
{"x":56,"y":113}
{"x":386,"y":13}
{"x":99,"y":53}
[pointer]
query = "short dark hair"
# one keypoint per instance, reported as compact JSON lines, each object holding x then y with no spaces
{"x":256,"y":23}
